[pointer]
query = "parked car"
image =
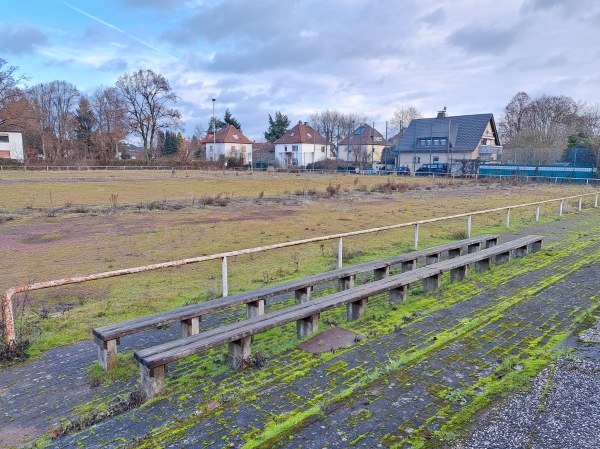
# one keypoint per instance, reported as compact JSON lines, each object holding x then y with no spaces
{"x":370,"y":171}
{"x":401,"y":171}
{"x":432,"y":169}
{"x":348,"y":168}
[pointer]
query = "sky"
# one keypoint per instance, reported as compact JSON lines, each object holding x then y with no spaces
{"x":257,"y":57}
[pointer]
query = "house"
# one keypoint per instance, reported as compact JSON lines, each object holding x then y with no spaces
{"x":228,"y":142}
{"x":11,"y":142}
{"x":364,"y":146}
{"x":447,"y":140}
{"x":301,"y":145}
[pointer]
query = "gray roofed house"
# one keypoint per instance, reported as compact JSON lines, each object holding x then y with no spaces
{"x":448,"y":139}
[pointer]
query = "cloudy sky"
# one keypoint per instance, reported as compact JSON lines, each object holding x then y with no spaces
{"x":300,"y":56}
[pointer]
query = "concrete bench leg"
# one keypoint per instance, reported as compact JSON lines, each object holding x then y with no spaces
{"x":107,"y":354}
{"x":303,"y":295}
{"x":398,"y":295}
{"x":459,"y":273}
{"x":381,"y":273}
{"x":473,"y":247}
{"x":152,"y":380}
{"x":255,"y":308}
{"x":535,"y":247}
{"x":239,"y":351}
{"x":307,"y":326}
{"x":432,"y":283}
{"x":491,"y":242}
{"x":456,"y":252}
{"x":355,"y":310}
{"x":433,"y":258}
{"x":502,"y":257}
{"x":409,"y":265}
{"x":484,"y":264}
{"x":346,"y":282}
{"x":190,"y":327}
{"x":521,"y":251}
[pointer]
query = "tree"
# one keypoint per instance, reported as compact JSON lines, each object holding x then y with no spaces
{"x":111,"y":122}
{"x":218,"y":125}
{"x":85,"y":127}
{"x":277,"y":127}
{"x":581,"y":150}
{"x":229,"y":120}
{"x":148,"y":96}
{"x":402,"y":118}
{"x":9,"y":81}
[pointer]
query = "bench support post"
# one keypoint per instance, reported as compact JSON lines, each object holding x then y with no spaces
{"x":346,"y":282}
{"x":239,"y":350}
{"x":255,"y":308}
{"x":490,"y":243}
{"x":473,"y":247}
{"x":409,"y":265}
{"x":502,"y":257}
{"x":307,"y":326}
{"x":432,"y":283}
{"x":190,"y":326}
{"x":107,"y":354}
{"x":152,"y":380}
{"x":381,"y":273}
{"x":433,"y":258}
{"x":521,"y":251}
{"x":535,"y":246}
{"x":484,"y":264}
{"x":456,"y":252}
{"x":354,"y":310}
{"x":398,"y":295}
{"x":459,"y":273}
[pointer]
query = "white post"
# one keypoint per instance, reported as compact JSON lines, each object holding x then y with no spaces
{"x":469,"y":226}
{"x":340,"y":249}
{"x":416,"y":236}
{"x":560,"y":210}
{"x":537,"y":213}
{"x":596,"y":201}
{"x":580,"y":201}
{"x":224,"y":276}
{"x":507,"y":218}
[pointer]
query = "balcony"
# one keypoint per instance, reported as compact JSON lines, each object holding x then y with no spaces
{"x":490,"y":149}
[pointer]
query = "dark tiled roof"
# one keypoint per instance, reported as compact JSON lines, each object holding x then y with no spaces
{"x":10,"y":128}
{"x":302,"y":133}
{"x":464,"y":132}
{"x":365,"y":135}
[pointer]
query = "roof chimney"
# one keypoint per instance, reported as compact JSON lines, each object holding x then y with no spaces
{"x":442,"y":114}
{"x":305,"y":123}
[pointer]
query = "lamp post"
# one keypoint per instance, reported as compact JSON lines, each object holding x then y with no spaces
{"x":214,"y":127}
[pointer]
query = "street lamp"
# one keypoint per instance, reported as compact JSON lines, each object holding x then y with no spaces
{"x":214,"y":128}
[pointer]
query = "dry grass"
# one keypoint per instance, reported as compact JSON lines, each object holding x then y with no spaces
{"x":36,"y":245}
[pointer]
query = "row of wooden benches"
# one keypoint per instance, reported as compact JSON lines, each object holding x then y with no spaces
{"x":153,"y":361}
{"x":108,"y":337}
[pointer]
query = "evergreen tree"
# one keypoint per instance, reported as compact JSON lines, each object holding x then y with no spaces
{"x":220,"y":124}
{"x":171,"y":145}
{"x":229,"y":120}
{"x":180,"y":142}
{"x":86,"y":123}
{"x":277,"y":127}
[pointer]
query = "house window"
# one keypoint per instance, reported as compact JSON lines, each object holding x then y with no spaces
{"x":293,"y":134}
{"x":4,"y":138}
{"x":322,"y":149}
{"x":294,"y":161}
{"x":243,"y":148}
{"x":232,"y":148}
{"x":236,"y":137}
{"x":285,"y":149}
{"x":436,"y":142}
{"x":484,"y":141}
{"x":436,"y":159}
{"x":309,"y":135}
{"x":378,"y":139}
{"x":211,"y":149}
{"x":443,"y":142}
{"x":417,"y":160}
{"x":294,"y":147}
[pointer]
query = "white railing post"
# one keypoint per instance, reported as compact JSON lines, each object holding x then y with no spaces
{"x":224,"y":276}
{"x":507,"y":218}
{"x":560,"y":209}
{"x":596,"y":201}
{"x":340,"y":253}
{"x":537,"y":213}
{"x":469,"y":227}
{"x":580,"y":201}
{"x":416,"y":236}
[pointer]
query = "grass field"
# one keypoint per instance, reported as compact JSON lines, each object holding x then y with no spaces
{"x":55,"y":225}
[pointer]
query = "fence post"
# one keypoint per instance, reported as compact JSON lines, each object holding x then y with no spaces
{"x":560,"y":210}
{"x":416,"y":236}
{"x":507,"y":218}
{"x":537,"y":213}
{"x":340,"y":252}
{"x":224,"y":276}
{"x":580,"y":201}
{"x":469,"y":227}
{"x":8,"y":323}
{"x":596,"y":201}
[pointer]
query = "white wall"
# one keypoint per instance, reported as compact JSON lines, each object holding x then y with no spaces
{"x":14,"y":146}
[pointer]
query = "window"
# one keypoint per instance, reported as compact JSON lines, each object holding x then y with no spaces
{"x":293,"y":134}
{"x":232,"y":148}
{"x":243,"y":148}
{"x":294,"y":161}
{"x":359,"y":131}
{"x":322,"y":149}
{"x":236,"y":137}
{"x":378,"y":139}
{"x":4,"y":138}
{"x":436,"y":142}
{"x":436,"y":159}
{"x":211,"y":149}
{"x":309,"y":135}
{"x":443,"y":142}
{"x":294,"y":147}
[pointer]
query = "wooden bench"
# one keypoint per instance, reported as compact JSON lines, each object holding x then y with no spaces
{"x":108,"y":337}
{"x":153,"y":361}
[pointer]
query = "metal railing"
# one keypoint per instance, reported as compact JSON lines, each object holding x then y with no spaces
{"x":8,"y":326}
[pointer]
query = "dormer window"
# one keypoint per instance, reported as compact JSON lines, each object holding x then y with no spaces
{"x":236,"y":137}
{"x":309,"y":135}
{"x":293,"y":134}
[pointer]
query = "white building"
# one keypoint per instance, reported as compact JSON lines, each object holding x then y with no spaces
{"x":301,"y":146}
{"x":228,"y":142}
{"x":11,"y":143}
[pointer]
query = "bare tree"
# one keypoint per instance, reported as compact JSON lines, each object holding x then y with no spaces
{"x":112,"y":125}
{"x":9,"y":82}
{"x":148,"y":96}
{"x":402,"y":118}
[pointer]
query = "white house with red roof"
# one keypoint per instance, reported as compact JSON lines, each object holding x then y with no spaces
{"x":301,"y":145}
{"x":11,"y":142}
{"x":228,"y":142}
